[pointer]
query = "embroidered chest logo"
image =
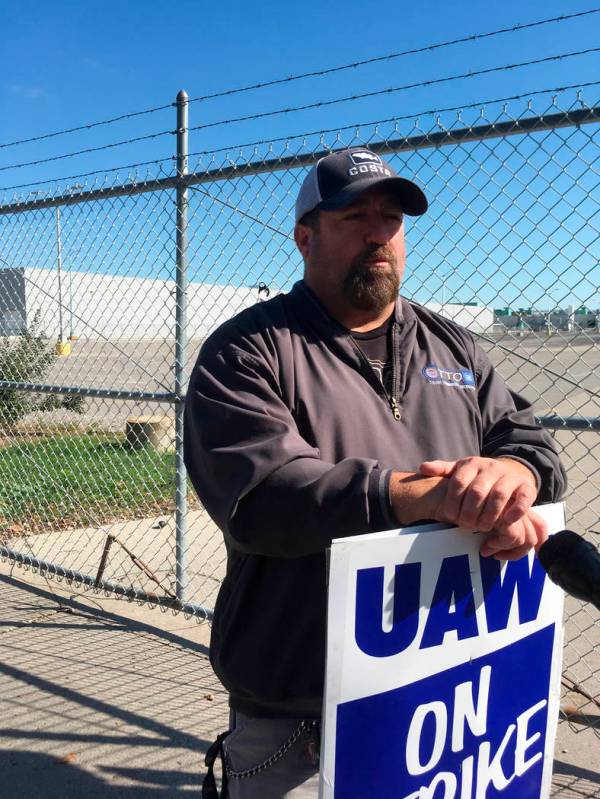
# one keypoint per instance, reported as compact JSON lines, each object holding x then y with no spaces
{"x":458,"y":378}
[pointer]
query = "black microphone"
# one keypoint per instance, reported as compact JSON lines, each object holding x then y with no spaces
{"x":573,"y":564}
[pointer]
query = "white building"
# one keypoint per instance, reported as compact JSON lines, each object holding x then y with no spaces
{"x":92,"y":306}
{"x":477,"y":318}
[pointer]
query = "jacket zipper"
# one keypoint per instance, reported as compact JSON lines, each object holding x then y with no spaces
{"x":391,"y":400}
{"x":395,"y":371}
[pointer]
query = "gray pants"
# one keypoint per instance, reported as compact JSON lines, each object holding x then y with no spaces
{"x":272,"y":758}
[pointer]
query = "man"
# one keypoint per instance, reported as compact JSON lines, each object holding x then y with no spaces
{"x":335,"y":410}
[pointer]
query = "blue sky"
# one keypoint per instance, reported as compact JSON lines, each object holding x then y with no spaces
{"x":68,"y":63}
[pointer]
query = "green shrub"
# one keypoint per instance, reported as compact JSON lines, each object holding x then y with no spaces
{"x":28,"y":358}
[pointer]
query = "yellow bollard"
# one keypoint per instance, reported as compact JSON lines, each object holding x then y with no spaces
{"x":63,"y":348}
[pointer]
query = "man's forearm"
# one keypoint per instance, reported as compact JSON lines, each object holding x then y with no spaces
{"x":414,"y":497}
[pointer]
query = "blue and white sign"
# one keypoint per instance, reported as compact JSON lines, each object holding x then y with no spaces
{"x":443,"y":669}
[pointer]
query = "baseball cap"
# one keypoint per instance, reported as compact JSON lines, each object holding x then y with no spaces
{"x":337,"y":180}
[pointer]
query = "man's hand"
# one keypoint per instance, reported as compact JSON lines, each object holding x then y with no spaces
{"x":486,"y":493}
{"x":513,"y":541}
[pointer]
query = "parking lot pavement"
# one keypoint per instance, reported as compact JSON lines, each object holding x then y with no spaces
{"x":105,"y":698}
{"x":559,"y":373}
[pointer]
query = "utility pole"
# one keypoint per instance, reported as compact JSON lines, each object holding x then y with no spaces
{"x":61,"y":332}
{"x":63,"y":347}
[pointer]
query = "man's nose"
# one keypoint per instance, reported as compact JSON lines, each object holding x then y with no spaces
{"x":378,"y":231}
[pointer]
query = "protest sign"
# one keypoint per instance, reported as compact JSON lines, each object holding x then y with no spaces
{"x":443,"y":669}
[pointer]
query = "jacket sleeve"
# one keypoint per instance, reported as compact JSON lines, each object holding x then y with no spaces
{"x":265,"y":486}
{"x":510,"y":430}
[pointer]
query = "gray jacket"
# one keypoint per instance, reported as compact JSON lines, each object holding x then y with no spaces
{"x":290,"y":440}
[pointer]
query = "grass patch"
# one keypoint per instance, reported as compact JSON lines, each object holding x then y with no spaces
{"x":80,"y":481}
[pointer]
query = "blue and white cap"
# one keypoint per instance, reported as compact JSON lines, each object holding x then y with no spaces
{"x":337,"y":180}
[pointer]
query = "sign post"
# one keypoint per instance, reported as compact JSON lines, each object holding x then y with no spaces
{"x":443,"y":669}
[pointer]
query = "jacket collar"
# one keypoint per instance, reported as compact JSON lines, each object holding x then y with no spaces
{"x":312,"y":311}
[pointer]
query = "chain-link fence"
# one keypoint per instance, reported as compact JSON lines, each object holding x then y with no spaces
{"x":128,"y":274}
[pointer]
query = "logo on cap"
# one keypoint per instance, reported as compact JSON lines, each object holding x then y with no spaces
{"x":364,"y":157}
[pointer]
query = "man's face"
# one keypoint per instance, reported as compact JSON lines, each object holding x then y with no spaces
{"x":356,"y":256}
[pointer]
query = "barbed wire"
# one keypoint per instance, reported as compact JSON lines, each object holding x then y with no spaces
{"x":391,"y":56}
{"x":320,"y":131}
{"x":86,"y":126}
{"x":397,"y":118}
{"x":392,"y":90}
{"x":89,"y":174}
{"x":319,"y":104}
{"x":304,"y":75}
{"x":87,"y":150}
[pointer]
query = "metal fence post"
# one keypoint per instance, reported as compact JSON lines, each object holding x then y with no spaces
{"x":180,"y":345}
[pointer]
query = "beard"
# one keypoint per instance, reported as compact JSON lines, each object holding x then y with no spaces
{"x":369,"y":288}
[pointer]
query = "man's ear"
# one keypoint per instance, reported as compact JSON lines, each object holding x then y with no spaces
{"x":302,"y":237}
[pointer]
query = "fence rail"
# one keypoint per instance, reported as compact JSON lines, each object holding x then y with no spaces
{"x":150,"y":265}
{"x":407,"y":144}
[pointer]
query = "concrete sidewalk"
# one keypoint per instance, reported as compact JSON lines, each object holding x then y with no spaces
{"x":100,"y":697}
{"x":104,"y":698}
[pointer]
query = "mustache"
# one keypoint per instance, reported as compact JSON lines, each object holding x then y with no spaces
{"x":376,"y":252}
